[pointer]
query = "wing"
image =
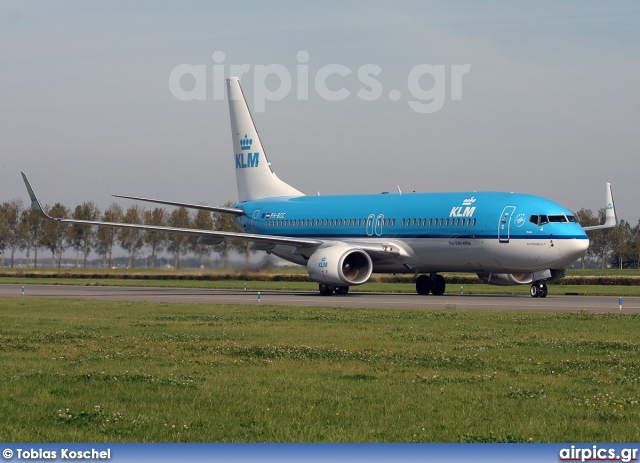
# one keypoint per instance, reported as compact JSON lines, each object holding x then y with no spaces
{"x":223,"y":210}
{"x":379,"y":251}
{"x":214,"y":236}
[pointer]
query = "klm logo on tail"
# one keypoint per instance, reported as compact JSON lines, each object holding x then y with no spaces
{"x":251,"y":160}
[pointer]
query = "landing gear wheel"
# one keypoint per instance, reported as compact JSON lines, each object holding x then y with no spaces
{"x":539,"y":289}
{"x":438,"y":285}
{"x":423,"y":285}
{"x":535,"y":290}
{"x":326,"y":290}
{"x":342,"y":290}
{"x":543,"y":290}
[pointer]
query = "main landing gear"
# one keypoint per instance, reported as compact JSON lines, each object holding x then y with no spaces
{"x":539,"y":289}
{"x":328,"y":290}
{"x":433,"y":284}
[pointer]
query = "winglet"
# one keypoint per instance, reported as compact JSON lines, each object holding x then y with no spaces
{"x":610,"y":217}
{"x":35,"y":204}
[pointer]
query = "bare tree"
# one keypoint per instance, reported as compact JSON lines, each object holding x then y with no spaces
{"x":178,"y":243}
{"x":106,"y":236}
{"x":131,"y":239}
{"x":81,"y":236}
{"x":202,"y":220}
{"x":586,"y":218}
{"x":4,"y":231}
{"x":54,"y":233}
{"x":622,"y":243}
{"x":225,"y":222}
{"x":601,"y":240}
{"x":12,"y":211}
{"x":155,"y":239}
{"x":31,"y":228}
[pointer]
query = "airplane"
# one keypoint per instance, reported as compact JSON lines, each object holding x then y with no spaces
{"x":505,"y":238}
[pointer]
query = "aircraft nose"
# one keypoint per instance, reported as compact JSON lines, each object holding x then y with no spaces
{"x":574,"y":249}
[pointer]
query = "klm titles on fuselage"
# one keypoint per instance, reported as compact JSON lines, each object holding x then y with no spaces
{"x":466,"y":210}
{"x":251,"y":160}
{"x":460,"y":211}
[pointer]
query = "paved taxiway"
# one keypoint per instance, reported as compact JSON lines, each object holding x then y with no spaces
{"x":600,"y":304}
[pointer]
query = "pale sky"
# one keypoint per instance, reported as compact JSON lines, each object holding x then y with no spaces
{"x":550,"y":105}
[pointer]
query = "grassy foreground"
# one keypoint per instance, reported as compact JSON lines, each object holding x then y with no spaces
{"x":76,"y":371}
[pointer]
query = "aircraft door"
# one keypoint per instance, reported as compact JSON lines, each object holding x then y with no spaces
{"x":379,"y":224}
{"x":254,"y":220}
{"x":504,"y":225}
{"x":370,"y":226}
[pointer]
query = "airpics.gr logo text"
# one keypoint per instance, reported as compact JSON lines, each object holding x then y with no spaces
{"x":251,"y":159}
{"x":428,"y":85}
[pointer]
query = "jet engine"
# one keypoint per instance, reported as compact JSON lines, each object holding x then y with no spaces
{"x":512,"y":279}
{"x":340,"y":265}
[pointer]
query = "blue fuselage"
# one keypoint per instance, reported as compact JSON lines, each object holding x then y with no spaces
{"x":464,"y":231}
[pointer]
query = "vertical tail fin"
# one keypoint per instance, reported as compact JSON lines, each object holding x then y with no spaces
{"x":255,"y":178}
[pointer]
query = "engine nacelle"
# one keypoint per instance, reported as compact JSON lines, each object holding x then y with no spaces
{"x":340,"y":265}
{"x":506,"y":279}
{"x":512,"y":279}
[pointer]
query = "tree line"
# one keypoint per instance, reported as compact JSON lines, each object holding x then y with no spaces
{"x":615,"y":247}
{"x":22,"y":230}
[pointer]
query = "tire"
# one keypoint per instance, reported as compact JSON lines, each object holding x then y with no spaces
{"x":326,"y":290}
{"x":535,"y":290}
{"x":543,"y":290}
{"x":342,"y":290}
{"x":423,"y":285}
{"x":439,"y":285}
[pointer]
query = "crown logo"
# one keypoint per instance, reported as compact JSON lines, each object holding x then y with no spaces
{"x":469,"y":202}
{"x":245,"y":144}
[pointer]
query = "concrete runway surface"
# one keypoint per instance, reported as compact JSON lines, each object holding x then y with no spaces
{"x":596,"y":304}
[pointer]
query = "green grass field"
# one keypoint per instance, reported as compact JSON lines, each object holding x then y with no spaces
{"x":76,"y":371}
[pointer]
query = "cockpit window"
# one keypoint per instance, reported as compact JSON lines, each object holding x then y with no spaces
{"x":540,"y":219}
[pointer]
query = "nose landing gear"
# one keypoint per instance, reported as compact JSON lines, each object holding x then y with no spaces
{"x":539,"y":289}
